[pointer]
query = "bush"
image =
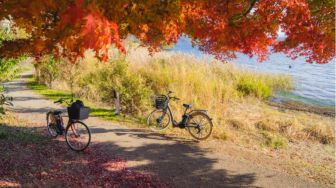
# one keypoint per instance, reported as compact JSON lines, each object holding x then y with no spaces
{"x":205,"y":83}
{"x":9,"y":68}
{"x":323,"y":134}
{"x":116,"y":76}
{"x":252,"y":86}
{"x":274,"y":141}
{"x":49,"y":70}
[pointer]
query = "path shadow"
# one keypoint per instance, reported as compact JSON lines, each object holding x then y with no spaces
{"x":181,"y":162}
{"x":15,"y":86}
{"x":141,"y":133}
{"x":180,"y":165}
{"x":30,"y":75}
{"x":25,"y":98}
{"x":49,"y":163}
{"x":36,"y":110}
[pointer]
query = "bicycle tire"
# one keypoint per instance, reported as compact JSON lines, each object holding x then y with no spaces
{"x":191,"y":129}
{"x":158,"y":128}
{"x":68,"y":140}
{"x":51,"y":128}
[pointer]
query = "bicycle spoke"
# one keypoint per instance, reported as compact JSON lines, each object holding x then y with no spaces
{"x":203,"y":126}
{"x":78,"y":136}
{"x":158,"y":120}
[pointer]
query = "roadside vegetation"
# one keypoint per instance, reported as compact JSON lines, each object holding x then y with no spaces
{"x":235,"y":97}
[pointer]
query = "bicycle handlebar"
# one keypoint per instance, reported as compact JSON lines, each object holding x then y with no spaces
{"x":172,"y":97}
{"x":62,"y":100}
{"x":59,"y":101}
{"x":175,"y":98}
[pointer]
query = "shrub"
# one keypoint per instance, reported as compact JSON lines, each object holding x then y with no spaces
{"x":323,"y":134}
{"x":49,"y":70}
{"x":274,"y":141}
{"x":9,"y":69}
{"x":236,"y":124}
{"x":248,"y":85}
{"x":266,"y":125}
{"x":116,"y":76}
{"x":205,"y":83}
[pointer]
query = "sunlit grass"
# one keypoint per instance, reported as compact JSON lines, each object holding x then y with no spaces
{"x":104,"y":113}
{"x":234,"y":97}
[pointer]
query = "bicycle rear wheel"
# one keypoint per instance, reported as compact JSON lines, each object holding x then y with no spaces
{"x":199,"y":125}
{"x":77,"y":136}
{"x":51,"y":125}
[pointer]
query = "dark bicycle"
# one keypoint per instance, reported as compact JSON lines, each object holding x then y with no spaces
{"x":77,"y":134}
{"x":197,"y":122}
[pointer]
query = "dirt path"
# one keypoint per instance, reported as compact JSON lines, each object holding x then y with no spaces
{"x":178,"y":162}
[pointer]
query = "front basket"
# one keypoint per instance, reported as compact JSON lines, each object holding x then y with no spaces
{"x":78,"y":113}
{"x":161,"y":102}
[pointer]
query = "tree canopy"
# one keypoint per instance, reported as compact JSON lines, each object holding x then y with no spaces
{"x":219,"y":27}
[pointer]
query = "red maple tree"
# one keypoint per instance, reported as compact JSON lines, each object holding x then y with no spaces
{"x":219,"y":27}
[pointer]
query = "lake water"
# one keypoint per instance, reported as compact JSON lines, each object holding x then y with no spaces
{"x":314,"y":84}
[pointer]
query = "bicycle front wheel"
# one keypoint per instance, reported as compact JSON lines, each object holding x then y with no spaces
{"x":158,"y":120}
{"x":51,"y":125}
{"x":77,"y":136}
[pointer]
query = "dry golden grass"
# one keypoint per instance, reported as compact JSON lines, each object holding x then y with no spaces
{"x":234,"y":97}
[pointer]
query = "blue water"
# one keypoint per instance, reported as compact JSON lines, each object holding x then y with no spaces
{"x":314,"y":84}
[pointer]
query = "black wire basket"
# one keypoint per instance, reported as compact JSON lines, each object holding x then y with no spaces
{"x":78,"y":113}
{"x":161,"y":102}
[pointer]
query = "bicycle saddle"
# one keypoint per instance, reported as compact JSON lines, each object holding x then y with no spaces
{"x":187,"y":105}
{"x":57,"y":112}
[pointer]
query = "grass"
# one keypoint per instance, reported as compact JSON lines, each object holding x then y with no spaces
{"x":104,"y":113}
{"x":274,"y":141}
{"x":10,"y":133}
{"x":19,"y":133}
{"x":234,"y":97}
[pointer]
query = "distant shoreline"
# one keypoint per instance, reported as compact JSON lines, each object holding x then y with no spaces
{"x":300,"y":106}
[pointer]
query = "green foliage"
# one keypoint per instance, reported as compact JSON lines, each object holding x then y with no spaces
{"x":104,"y":113}
{"x":116,"y":76}
{"x":206,"y":85}
{"x":9,"y":68}
{"x":46,"y":91}
{"x":49,"y":70}
{"x":251,"y":86}
{"x":274,"y":141}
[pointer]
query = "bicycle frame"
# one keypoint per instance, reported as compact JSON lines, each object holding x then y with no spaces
{"x":184,"y":120}
{"x":59,"y":119}
{"x":171,"y":116}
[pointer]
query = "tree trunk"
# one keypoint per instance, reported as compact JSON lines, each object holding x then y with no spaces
{"x":117,"y":103}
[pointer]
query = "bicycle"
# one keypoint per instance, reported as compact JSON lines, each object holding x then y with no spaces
{"x":77,"y":134}
{"x":197,"y":122}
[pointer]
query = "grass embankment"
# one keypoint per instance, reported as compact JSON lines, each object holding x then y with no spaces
{"x":104,"y":113}
{"x":267,"y":133}
{"x":234,"y":97}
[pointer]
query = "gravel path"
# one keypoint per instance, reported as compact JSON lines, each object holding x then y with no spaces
{"x":178,"y":162}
